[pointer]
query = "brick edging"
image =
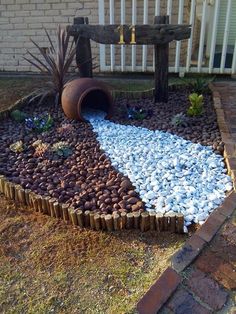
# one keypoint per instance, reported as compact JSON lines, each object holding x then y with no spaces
{"x":166,"y":285}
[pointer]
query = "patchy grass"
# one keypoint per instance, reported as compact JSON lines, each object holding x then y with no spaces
{"x":12,"y":89}
{"x":47,"y":266}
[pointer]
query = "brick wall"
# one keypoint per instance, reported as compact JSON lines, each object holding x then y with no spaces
{"x":21,"y":20}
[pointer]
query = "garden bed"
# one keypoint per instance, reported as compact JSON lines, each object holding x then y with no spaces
{"x":201,"y":129}
{"x":82,"y":176}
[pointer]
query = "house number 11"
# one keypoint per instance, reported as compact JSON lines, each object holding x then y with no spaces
{"x":133,"y":37}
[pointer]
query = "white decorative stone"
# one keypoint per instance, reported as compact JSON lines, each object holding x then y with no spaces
{"x":168,"y":172}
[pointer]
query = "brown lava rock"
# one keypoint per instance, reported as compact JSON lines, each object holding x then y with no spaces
{"x":85,"y":179}
{"x":203,"y":129}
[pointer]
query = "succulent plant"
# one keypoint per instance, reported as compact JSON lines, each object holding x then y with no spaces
{"x":36,"y":143}
{"x":180,"y":119}
{"x":196,"y":108}
{"x":39,"y":124}
{"x":200,"y":85}
{"x":41,"y":149}
{"x":18,"y":115}
{"x":17,"y":147}
{"x":62,"y":149}
{"x":137,"y":113}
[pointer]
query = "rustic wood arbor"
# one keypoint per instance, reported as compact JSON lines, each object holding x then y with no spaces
{"x":160,"y":34}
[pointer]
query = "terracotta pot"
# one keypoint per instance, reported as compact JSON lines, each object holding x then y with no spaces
{"x":86,"y":92}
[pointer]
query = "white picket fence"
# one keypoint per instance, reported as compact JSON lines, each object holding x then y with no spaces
{"x":211,"y":14}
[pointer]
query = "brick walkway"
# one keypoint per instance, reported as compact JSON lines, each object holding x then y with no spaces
{"x":202,"y":278}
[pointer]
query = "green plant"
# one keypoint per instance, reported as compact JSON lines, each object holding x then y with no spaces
{"x":62,"y":149}
{"x":56,"y":62}
{"x":17,"y":147}
{"x":18,"y":115}
{"x":200,"y":85}
{"x":39,"y":124}
{"x":196,"y":107}
{"x":179,"y":119}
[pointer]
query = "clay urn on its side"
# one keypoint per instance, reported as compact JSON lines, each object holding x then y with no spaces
{"x":86,"y":92}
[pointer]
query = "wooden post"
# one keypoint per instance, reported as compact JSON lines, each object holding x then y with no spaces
{"x":87,"y":218}
{"x":27,"y":192}
{"x":103,"y":221}
{"x":109,"y":222}
{"x":180,"y":223}
{"x":116,"y":220}
{"x":56,"y":208}
{"x":159,"y":222}
{"x":80,"y":218}
{"x":136,"y":220}
{"x":165,"y":222}
{"x":73,"y":216}
{"x":91,"y":219}
{"x":97,"y":222}
{"x":65,"y":213}
{"x":51,"y":202}
{"x":2,"y":180}
{"x":152,"y":220}
{"x":172,"y":222}
{"x":130,"y":221}
{"x":145,"y":221}
{"x":83,"y":51}
{"x":161,"y":65}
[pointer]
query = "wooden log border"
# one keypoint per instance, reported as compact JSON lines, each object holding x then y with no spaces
{"x":140,"y":220}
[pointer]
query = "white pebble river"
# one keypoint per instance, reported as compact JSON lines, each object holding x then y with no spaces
{"x":170,"y":173}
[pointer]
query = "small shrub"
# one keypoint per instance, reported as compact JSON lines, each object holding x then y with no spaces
{"x":39,"y":124}
{"x":196,"y":107}
{"x":200,"y":85}
{"x":18,"y":115}
{"x":62,"y":149}
{"x":180,"y":119}
{"x":55,"y":62}
{"x":137,"y":113}
{"x":17,"y":147}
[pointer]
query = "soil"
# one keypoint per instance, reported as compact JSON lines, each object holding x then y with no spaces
{"x":202,"y":129}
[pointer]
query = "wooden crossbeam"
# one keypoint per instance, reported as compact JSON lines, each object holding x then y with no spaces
{"x":143,"y":34}
{"x":160,"y":35}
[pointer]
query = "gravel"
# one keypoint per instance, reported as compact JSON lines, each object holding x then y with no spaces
{"x":202,"y":129}
{"x":169,"y":172}
{"x":85,"y":180}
